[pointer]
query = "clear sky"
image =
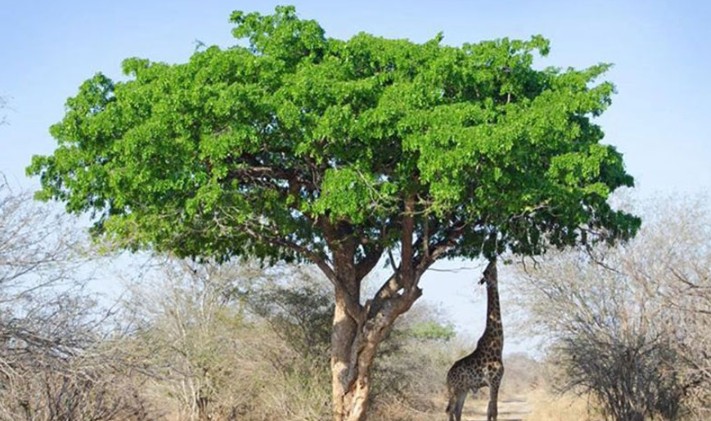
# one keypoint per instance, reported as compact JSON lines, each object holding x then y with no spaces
{"x":660,"y":51}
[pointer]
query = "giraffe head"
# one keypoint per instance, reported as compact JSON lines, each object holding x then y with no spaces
{"x":490,"y":277}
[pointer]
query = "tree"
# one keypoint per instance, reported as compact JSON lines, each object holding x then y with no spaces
{"x":630,"y":325}
{"x":298,"y":147}
{"x":421,"y":338}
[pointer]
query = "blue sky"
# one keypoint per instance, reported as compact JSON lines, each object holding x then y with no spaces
{"x":660,"y":50}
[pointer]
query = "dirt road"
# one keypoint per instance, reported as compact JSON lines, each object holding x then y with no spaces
{"x":512,"y":409}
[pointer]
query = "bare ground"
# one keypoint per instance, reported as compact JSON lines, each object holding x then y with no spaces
{"x":514,"y":408}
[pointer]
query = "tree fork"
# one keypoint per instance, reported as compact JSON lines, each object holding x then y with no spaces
{"x":358,"y":330}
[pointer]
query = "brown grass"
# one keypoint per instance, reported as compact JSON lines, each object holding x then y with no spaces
{"x":546,"y":406}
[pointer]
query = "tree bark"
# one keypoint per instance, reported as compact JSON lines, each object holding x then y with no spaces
{"x":343,"y":336}
{"x":354,"y":343}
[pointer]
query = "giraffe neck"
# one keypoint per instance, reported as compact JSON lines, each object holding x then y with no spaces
{"x":493,"y":310}
{"x":494,"y":332}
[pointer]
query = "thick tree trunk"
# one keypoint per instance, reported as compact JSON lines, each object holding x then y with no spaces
{"x":353,"y":349}
{"x":343,"y":336}
{"x":352,"y":356}
{"x":346,"y":337}
{"x":359,"y":329}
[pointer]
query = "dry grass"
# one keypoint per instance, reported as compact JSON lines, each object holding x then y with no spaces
{"x":546,"y":406}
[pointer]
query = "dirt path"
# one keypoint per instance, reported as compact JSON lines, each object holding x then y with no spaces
{"x":511,"y":409}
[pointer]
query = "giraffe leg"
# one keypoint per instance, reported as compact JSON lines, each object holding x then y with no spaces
{"x":450,"y":405}
{"x":456,"y":403}
{"x":493,"y":411}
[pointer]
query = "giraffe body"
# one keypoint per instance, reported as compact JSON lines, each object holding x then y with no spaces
{"x":484,"y":366}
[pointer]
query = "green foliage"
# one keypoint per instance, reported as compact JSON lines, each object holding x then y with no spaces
{"x":241,"y":151}
{"x":433,"y":331}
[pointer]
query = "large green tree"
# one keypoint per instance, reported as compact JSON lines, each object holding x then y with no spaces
{"x":295,"y":146}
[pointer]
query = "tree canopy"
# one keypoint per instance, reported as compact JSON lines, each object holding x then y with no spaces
{"x":256,"y":149}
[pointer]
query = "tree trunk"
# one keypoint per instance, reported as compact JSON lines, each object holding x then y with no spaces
{"x":353,"y":349}
{"x":359,"y":329}
{"x":343,"y":336}
{"x":351,"y":361}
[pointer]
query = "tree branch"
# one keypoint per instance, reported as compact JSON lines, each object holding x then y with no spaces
{"x":407,"y":260}
{"x":371,"y":259}
{"x":280,"y":241}
{"x":438,"y":249}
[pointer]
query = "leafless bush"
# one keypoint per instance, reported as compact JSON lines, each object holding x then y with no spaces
{"x":50,"y":329}
{"x":73,"y":389}
{"x":672,"y":260}
{"x":629,"y":324}
{"x":227,"y":342}
{"x":181,"y":332}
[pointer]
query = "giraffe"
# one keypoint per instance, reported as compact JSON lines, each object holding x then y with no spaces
{"x":484,"y":366}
